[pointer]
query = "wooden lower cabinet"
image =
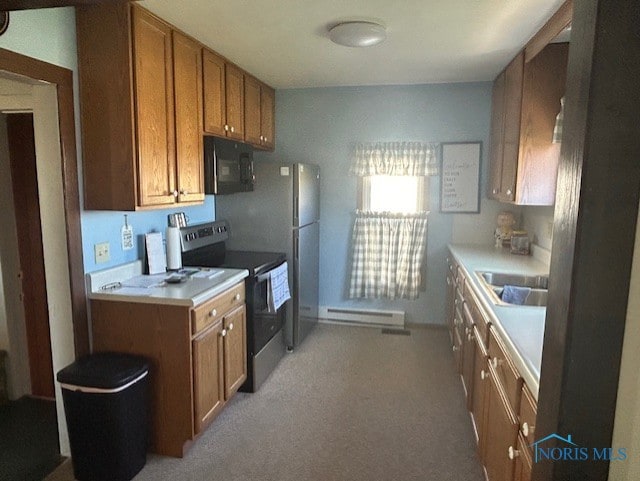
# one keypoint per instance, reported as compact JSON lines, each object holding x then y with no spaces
{"x":480,"y":381}
{"x":523,"y":462}
{"x":208,"y":378}
{"x":194,"y":370}
{"x":501,"y":431}
{"x":235,"y":351}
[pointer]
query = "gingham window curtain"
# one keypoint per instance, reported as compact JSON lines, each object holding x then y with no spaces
{"x":395,"y":158}
{"x":388,"y":249}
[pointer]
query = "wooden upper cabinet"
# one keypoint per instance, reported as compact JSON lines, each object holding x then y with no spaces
{"x":188,"y":107}
{"x":234,"y":80}
{"x":267,"y":117}
{"x":497,"y":136}
{"x":252,"y":105}
{"x":215,"y":106}
{"x":141,"y":116}
{"x":505,"y":130}
{"x":526,"y":101}
{"x":155,"y":122}
{"x":543,"y":87}
{"x":258,"y":114}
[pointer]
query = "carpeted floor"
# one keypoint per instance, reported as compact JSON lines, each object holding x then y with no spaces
{"x":29,"y":447}
{"x":350,"y":404}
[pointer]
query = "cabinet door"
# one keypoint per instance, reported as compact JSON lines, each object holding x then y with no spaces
{"x":543,"y":87}
{"x":501,"y":431}
{"x":252,"y":132}
{"x":208,"y":382}
{"x":523,"y":463}
{"x":267,"y":117}
{"x":234,"y":82}
{"x":480,"y":382}
{"x":154,"y":110}
{"x":187,"y":76}
{"x":235,"y":351}
{"x":450,"y":309}
{"x":468,"y":358}
{"x":497,"y":136}
{"x":214,"y":96}
{"x":512,"y":109}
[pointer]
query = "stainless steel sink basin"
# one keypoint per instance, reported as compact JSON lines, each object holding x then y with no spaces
{"x":501,"y":279}
{"x":494,"y":282}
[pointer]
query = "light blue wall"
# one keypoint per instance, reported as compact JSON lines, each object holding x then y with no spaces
{"x":50,"y":35}
{"x":322,"y":126}
{"x":102,"y":226}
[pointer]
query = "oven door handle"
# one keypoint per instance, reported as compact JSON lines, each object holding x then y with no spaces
{"x":267,"y":275}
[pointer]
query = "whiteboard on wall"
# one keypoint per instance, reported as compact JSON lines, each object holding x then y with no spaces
{"x":460,"y":177}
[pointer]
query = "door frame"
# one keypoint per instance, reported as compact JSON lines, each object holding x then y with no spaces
{"x":62,"y":78}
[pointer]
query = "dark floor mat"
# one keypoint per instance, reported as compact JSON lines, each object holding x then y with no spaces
{"x":29,"y":448}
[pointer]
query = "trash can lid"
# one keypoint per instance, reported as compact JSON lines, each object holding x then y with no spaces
{"x":105,"y":370}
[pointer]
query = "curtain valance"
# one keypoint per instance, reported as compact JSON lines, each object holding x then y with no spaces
{"x":395,"y":158}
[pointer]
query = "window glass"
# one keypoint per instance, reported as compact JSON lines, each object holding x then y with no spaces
{"x":393,"y":193}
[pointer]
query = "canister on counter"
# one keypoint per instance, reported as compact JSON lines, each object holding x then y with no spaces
{"x":520,"y":242}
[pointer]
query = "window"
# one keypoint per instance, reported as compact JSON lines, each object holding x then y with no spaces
{"x":403,"y":194}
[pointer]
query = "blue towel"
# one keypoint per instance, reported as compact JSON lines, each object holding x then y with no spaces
{"x":515,"y":294}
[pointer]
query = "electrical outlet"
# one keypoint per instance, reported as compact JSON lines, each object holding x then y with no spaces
{"x":102,"y":252}
{"x":550,"y":229}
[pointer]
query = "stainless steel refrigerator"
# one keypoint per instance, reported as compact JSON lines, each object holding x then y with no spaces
{"x":282,"y":214}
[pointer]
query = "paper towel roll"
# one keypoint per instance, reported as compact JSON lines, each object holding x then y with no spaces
{"x":174,"y":250}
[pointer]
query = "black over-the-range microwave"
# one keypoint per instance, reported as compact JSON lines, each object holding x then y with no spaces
{"x":228,"y":166}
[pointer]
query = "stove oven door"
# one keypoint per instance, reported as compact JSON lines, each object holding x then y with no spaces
{"x":263,"y":324}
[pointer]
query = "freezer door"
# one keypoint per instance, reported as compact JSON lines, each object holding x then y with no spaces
{"x":306,"y":194}
{"x":306,"y":274}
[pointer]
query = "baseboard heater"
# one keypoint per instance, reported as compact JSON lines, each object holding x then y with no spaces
{"x":373,"y":317}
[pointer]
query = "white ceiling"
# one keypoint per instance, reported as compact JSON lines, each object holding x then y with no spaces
{"x":285,"y":42}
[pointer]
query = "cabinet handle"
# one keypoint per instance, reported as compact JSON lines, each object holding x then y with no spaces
{"x":213,"y":313}
{"x":495,"y":191}
{"x":174,"y":193}
{"x":470,"y":337}
{"x":455,"y":348}
{"x":223,"y":333}
{"x":237,"y":297}
{"x":226,"y":128}
{"x":509,"y":191}
{"x":513,"y":453}
{"x":233,"y":129}
{"x":495,"y":362}
{"x":483,"y":375}
{"x":230,"y":328}
{"x":526,"y":429}
{"x":265,"y":139}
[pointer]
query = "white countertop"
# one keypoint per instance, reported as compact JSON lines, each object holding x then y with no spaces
{"x":520,"y":327}
{"x":191,"y":292}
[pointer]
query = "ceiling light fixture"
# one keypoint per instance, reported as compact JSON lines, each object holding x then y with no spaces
{"x":357,"y":34}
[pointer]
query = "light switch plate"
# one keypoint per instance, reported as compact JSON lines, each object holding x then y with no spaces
{"x":102,"y":252}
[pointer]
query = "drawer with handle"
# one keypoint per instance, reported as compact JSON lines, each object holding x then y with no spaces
{"x":527,"y":416}
{"x":208,"y":312}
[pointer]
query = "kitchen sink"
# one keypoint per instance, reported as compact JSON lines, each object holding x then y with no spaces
{"x":494,"y":282}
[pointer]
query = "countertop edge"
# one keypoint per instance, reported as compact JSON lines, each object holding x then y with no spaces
{"x":530,"y":377}
{"x":196,"y":300}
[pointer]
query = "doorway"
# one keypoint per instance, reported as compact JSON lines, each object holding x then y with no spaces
{"x":31,"y":277}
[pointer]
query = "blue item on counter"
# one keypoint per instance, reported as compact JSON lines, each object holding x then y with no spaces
{"x":515,"y":294}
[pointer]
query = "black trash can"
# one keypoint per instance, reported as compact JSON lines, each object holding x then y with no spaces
{"x":106,"y":404}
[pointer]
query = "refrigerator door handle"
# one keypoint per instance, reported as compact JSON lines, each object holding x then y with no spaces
{"x":296,"y":247}
{"x":296,"y":210}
